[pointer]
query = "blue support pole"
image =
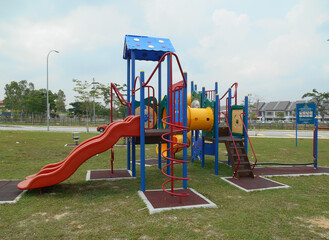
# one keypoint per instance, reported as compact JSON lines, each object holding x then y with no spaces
{"x":216,"y":129}
{"x":316,"y":124}
{"x":245,"y":119}
{"x":159,"y":116}
{"x":192,"y":132}
{"x":296,"y":129}
{"x":168,"y":114}
{"x":185,"y":132}
{"x":128,"y":100}
{"x":142,"y":132}
{"x":196,"y":131}
{"x":203,"y":96}
{"x":133,"y":144}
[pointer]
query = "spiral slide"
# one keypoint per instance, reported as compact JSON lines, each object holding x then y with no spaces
{"x":55,"y":173}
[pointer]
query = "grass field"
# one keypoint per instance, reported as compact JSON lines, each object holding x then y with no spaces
{"x":76,"y":209}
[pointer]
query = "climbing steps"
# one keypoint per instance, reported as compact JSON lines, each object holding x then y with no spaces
{"x":243,"y":169}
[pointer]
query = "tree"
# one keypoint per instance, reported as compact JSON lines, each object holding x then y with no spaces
{"x":120,"y":111}
{"x":320,"y":99}
{"x":77,"y":109}
{"x":21,"y":97}
{"x":253,"y":106}
{"x":106,"y":93}
{"x":85,"y":94}
{"x":101,"y":110}
{"x":60,"y":101}
{"x":16,"y":94}
{"x":36,"y":102}
{"x":280,"y":115}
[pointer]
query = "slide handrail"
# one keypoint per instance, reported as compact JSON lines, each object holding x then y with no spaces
{"x":246,"y":131}
{"x":235,"y":95}
{"x":236,"y":149}
{"x":121,"y":99}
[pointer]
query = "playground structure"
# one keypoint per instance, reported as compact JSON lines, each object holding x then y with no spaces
{"x":166,"y":122}
{"x":173,"y":122}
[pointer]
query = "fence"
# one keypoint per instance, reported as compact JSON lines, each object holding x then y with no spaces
{"x":75,"y":121}
{"x":283,"y":126}
{"x":60,"y":121}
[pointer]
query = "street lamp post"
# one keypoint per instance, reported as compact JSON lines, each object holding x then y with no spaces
{"x":48,"y":113}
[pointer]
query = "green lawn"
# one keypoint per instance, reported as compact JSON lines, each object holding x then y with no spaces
{"x":76,"y":209}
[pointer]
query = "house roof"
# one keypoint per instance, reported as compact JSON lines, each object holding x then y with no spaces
{"x":269,"y":106}
{"x":146,"y":48}
{"x":257,"y":106}
{"x":282,"y":106}
{"x":292,"y":106}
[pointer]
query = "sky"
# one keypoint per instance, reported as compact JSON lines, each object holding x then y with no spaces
{"x":275,"y":49}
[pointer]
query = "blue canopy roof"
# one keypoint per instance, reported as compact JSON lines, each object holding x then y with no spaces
{"x":146,"y":48}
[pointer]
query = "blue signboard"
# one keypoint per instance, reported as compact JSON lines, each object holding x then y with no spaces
{"x":305,"y":113}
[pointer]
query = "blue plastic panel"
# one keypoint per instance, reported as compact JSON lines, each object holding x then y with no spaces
{"x":146,"y":48}
{"x":209,"y":148}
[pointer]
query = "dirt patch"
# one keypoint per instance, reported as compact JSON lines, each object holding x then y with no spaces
{"x":292,"y":205}
{"x":59,"y":216}
{"x":283,"y":149}
{"x":320,"y":222}
{"x":145,"y":237}
{"x":39,"y":214}
{"x":313,"y":224}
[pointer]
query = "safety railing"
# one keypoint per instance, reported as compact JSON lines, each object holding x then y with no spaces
{"x":235,"y":95}
{"x":121,"y":99}
{"x":246,"y":131}
{"x":151,"y":121}
{"x":211,"y":94}
{"x":236,"y":149}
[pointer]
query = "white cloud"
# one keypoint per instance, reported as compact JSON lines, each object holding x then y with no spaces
{"x":84,"y":29}
{"x":228,"y":23}
{"x":215,"y":40}
{"x":232,"y":51}
{"x":79,"y":35}
{"x":174,"y":17}
{"x":326,"y":68}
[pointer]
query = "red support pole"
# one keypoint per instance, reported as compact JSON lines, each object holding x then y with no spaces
{"x":112,"y":159}
{"x":111,"y":105}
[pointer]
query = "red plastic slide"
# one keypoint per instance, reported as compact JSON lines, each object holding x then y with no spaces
{"x":55,"y":173}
